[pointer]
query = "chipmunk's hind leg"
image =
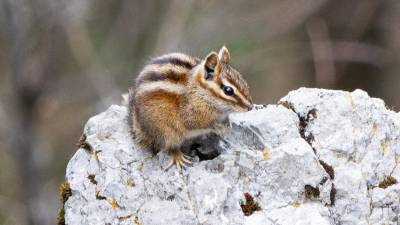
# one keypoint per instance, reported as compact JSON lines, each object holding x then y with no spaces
{"x":178,"y":159}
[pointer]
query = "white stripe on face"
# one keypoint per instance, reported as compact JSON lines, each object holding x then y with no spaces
{"x":236,"y":91}
{"x":215,"y":87}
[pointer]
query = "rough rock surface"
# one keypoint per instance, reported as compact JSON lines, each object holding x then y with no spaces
{"x":319,"y":157}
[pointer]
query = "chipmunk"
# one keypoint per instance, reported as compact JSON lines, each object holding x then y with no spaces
{"x":178,"y":96}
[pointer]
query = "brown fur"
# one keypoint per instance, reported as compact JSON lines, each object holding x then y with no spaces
{"x":158,"y":116}
{"x":182,"y":102}
{"x":170,"y":75}
{"x":166,"y":72}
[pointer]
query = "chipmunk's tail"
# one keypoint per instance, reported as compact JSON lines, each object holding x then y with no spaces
{"x":138,"y":136}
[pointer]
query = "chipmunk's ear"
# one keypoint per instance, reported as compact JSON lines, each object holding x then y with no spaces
{"x":223,"y":55}
{"x":210,"y":62}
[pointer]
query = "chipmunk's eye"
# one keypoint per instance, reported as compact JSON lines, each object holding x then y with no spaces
{"x":228,"y":90}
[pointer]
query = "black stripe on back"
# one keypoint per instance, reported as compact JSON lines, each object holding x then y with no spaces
{"x":152,"y":76}
{"x":174,"y":61}
{"x":157,"y":76}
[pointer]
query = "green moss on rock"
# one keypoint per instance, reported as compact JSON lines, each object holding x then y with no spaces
{"x":65,"y":193}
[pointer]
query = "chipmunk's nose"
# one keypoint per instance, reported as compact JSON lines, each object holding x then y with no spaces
{"x":250,"y":107}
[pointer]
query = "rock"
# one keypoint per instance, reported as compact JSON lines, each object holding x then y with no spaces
{"x":318,"y":157}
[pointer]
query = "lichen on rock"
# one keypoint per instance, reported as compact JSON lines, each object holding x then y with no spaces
{"x":343,"y":145}
{"x":65,"y":193}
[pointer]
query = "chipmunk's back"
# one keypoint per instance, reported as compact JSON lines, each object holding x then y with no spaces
{"x":173,"y":68}
{"x":159,"y":91}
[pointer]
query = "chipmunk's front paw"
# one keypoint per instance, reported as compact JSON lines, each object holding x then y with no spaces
{"x":179,"y":159}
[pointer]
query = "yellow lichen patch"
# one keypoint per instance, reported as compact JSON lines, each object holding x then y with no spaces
{"x":65,"y":193}
{"x":266,"y":154}
{"x":136,"y":220}
{"x":353,"y":107}
{"x":61,"y":216}
{"x":384,"y":148}
{"x":95,"y":155}
{"x":296,"y":205}
{"x":113,"y":203}
{"x":130,"y":183}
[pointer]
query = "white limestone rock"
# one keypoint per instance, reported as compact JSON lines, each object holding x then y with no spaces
{"x":360,"y":139}
{"x":328,"y":157}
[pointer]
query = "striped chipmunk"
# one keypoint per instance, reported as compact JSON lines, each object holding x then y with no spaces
{"x":177,"y":97}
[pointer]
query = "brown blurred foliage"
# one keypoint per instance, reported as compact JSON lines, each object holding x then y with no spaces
{"x":63,"y":61}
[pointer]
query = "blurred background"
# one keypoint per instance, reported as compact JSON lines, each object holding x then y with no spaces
{"x":64,"y":61}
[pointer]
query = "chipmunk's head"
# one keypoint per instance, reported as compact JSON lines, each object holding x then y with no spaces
{"x":226,"y":88}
